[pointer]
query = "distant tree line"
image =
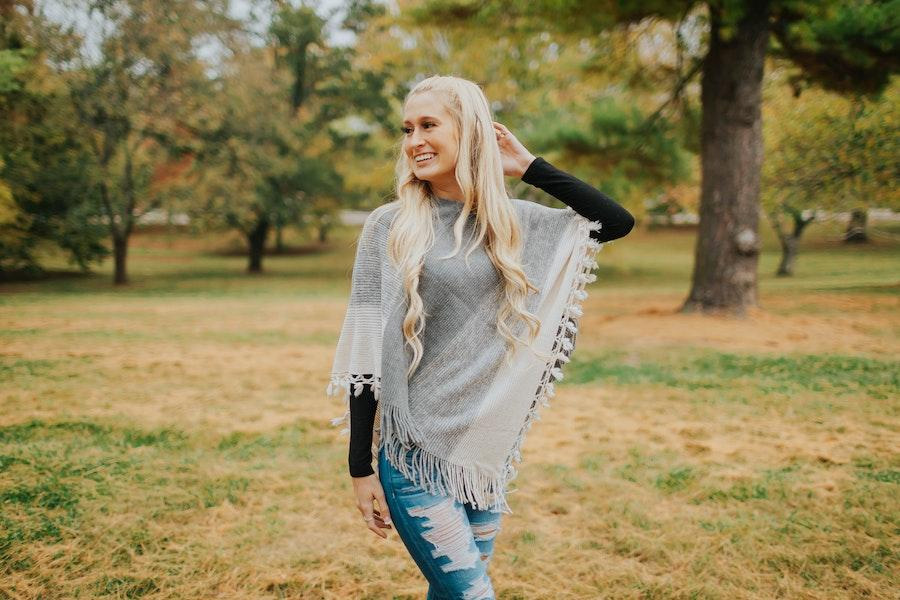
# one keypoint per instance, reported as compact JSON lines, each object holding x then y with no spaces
{"x":284,"y":127}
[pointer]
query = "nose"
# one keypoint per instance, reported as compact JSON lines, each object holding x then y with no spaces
{"x":415,"y":138}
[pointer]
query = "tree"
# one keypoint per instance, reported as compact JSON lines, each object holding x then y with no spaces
{"x":842,"y":46}
{"x":332,"y":94}
{"x":271,"y":150}
{"x":635,"y":156}
{"x":44,"y":191}
{"x":830,"y":153}
{"x":133,"y":101}
{"x":254,"y":162}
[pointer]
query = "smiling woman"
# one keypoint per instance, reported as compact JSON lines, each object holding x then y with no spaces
{"x":456,"y":397}
{"x":432,"y":144}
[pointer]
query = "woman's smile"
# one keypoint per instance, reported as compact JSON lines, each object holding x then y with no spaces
{"x":425,"y":158}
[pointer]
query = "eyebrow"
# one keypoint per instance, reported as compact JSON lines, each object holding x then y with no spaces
{"x":421,"y":119}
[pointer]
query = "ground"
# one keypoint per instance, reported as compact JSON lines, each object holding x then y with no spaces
{"x":172,"y":439}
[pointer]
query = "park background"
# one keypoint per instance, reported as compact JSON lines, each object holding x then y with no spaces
{"x":181,"y":188}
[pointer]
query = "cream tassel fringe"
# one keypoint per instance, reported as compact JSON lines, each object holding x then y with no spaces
{"x":340,"y":386}
{"x":433,"y":473}
{"x":565,"y":337}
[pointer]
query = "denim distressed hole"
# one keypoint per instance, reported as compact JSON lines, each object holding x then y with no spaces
{"x":480,"y":589}
{"x":445,"y":528}
{"x":485,"y":532}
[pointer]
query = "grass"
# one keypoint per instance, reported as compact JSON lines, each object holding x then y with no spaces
{"x":744,"y":376}
{"x":171,"y":439}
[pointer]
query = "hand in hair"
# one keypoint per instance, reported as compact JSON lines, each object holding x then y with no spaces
{"x":514,"y":155}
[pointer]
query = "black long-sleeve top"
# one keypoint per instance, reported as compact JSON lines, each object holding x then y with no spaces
{"x":584,"y":199}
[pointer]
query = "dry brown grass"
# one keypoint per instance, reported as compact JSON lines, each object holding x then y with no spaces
{"x":183,"y":450}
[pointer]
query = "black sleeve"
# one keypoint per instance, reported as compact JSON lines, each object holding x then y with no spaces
{"x":362,"y":419}
{"x":584,"y":199}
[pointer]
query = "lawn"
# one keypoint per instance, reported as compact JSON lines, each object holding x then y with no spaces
{"x":171,"y":439}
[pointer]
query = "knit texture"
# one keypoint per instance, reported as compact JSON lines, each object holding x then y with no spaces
{"x":464,"y":412}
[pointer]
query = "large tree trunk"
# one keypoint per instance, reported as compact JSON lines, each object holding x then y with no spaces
{"x":256,"y":240}
{"x":726,"y":254}
{"x":120,"y":254}
{"x":119,"y":231}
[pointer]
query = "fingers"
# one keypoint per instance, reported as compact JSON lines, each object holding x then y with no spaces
{"x":501,"y":131}
{"x":382,"y":503}
{"x":375,"y":521}
{"x":376,"y":525}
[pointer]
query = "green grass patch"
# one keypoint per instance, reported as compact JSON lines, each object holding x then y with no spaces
{"x":59,"y":477}
{"x":125,"y":586}
{"x":675,"y":479}
{"x":758,"y":375}
{"x":11,"y":369}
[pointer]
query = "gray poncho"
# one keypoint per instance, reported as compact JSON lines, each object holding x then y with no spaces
{"x":464,"y":411}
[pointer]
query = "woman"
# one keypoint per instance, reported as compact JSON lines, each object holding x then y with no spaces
{"x":454,"y":398}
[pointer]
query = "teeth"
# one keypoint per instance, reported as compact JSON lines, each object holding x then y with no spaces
{"x":422,"y":157}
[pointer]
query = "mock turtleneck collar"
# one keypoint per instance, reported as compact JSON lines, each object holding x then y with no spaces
{"x":448,"y":206}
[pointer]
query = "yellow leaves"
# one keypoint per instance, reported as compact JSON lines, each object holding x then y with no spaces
{"x":828,"y":151}
{"x":8,"y":209}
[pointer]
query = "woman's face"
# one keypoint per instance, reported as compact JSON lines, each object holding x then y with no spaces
{"x":430,"y":134}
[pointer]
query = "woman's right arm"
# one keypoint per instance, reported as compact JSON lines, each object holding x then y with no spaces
{"x":366,"y":485}
{"x":362,"y":419}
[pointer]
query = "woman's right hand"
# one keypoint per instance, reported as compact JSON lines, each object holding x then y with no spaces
{"x":368,"y":490}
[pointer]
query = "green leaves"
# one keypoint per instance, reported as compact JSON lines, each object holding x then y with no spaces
{"x":846,"y":47}
{"x":633,"y":154}
{"x":828,"y":152}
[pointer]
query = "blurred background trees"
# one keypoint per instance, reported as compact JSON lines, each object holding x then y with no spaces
{"x":844,"y":47}
{"x":45,"y":191}
{"x":826,"y":154}
{"x":133,"y":99}
{"x":262,"y":116}
{"x":272,"y":152}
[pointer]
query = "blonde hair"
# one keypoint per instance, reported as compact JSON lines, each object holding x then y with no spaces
{"x":479,"y":174}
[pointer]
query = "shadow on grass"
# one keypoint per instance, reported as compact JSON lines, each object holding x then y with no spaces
{"x":27,"y":275}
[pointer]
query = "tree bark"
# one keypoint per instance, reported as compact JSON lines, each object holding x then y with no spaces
{"x":120,"y":231}
{"x":790,"y":243}
{"x":120,"y":254}
{"x":279,"y":239}
{"x":726,"y":255}
{"x":856,"y":228}
{"x":788,"y":256}
{"x":256,"y":241}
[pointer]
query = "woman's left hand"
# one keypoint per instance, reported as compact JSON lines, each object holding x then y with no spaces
{"x":514,"y":155}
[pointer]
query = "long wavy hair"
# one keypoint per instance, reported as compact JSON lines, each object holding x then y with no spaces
{"x":479,"y":174}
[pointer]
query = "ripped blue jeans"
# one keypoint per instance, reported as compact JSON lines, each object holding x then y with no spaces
{"x":451,"y":542}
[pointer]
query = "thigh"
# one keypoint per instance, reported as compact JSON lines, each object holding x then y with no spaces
{"x":435,"y":529}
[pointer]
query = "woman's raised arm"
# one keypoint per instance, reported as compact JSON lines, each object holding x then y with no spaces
{"x":584,"y":199}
